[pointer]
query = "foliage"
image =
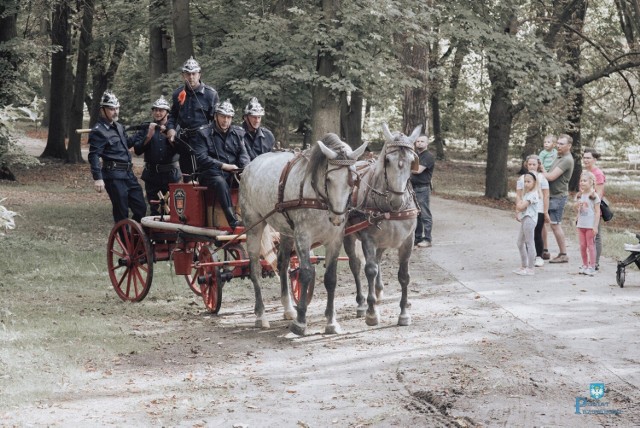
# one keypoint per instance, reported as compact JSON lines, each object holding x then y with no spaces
{"x":11,"y":153}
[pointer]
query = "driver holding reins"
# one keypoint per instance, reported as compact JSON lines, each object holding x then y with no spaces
{"x":192,"y":110}
{"x":225,"y":153}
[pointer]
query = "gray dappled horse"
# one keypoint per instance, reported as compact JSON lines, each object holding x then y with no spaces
{"x":385,"y":196}
{"x":323,"y":174}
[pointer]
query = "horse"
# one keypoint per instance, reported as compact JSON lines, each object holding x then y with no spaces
{"x":385,"y":206}
{"x":306,"y":198}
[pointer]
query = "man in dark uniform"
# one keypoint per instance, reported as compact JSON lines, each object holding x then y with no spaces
{"x":258,"y":139}
{"x":160,"y":157}
{"x":225,"y":153}
{"x":421,"y":182}
{"x":192,"y":109}
{"x":107,"y":141}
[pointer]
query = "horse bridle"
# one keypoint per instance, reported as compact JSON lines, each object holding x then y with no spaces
{"x":388,"y":189}
{"x":337,"y":164}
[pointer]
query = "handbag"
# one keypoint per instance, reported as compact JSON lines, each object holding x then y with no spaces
{"x":605,"y":211}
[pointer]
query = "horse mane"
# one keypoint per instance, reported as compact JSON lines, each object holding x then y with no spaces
{"x":317,"y":159}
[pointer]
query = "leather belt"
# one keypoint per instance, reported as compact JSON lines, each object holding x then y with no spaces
{"x":192,"y":131}
{"x":117,"y":166}
{"x":161,"y":167}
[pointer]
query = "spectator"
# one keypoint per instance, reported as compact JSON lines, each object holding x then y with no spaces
{"x":160,"y":156}
{"x":421,"y":182}
{"x":107,"y":141}
{"x":559,"y":176}
{"x":527,"y":215}
{"x":192,"y":109}
{"x":533,"y":164}
{"x":588,"y":218}
{"x":589,"y":159}
{"x":549,"y":153}
{"x":257,"y":138}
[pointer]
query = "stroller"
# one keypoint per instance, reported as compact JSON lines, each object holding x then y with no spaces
{"x":634,"y":257}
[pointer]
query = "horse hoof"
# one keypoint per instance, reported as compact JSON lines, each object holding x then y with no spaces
{"x":332,"y":329}
{"x":262,"y":323}
{"x":372,"y":319}
{"x":404,"y":320}
{"x":361,"y":312}
{"x":297,"y":328}
{"x":290,"y":315}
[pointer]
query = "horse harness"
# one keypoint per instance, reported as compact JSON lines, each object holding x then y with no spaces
{"x":319,"y":203}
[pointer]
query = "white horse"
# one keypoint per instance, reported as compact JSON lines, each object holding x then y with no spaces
{"x":310,"y":193}
{"x":384,"y":197}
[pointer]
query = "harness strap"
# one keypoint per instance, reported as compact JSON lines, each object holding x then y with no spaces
{"x":373,"y":217}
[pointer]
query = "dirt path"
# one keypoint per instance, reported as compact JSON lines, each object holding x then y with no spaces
{"x":486,"y":348}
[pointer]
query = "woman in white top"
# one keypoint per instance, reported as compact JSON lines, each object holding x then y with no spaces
{"x":533,"y":164}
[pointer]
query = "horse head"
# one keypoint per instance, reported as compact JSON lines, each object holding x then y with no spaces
{"x":394,"y":164}
{"x":333,"y":174}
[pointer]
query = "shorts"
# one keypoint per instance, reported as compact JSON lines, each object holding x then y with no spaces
{"x":556,"y":208}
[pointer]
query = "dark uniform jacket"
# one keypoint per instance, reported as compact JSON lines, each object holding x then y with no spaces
{"x":192,"y":109}
{"x":260,"y":142}
{"x":110,"y":143}
{"x":223,"y":148}
{"x":159,"y":154}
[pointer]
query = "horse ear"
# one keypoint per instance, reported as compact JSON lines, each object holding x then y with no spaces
{"x":416,"y":133}
{"x":330,"y":154}
{"x":359,"y":151}
{"x":386,"y":132}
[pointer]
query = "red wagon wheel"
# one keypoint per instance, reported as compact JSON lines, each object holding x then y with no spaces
{"x":294,"y":278}
{"x":130,"y":260}
{"x":210,"y":280}
{"x":192,"y":278}
{"x":237,"y":252}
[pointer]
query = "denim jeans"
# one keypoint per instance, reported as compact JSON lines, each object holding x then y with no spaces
{"x":424,"y":220}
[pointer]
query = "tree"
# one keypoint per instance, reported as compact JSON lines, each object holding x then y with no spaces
{"x":159,"y":44}
{"x":60,"y":38}
{"x":74,"y":153}
{"x":182,"y":31}
{"x":8,"y":57}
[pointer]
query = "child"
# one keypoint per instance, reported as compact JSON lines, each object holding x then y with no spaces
{"x":588,"y":218}
{"x":527,"y":209}
{"x":549,"y":153}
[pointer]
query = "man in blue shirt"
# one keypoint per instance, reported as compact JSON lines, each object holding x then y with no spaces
{"x":257,"y":138}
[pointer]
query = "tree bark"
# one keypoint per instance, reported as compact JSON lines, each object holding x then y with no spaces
{"x":159,"y":44}
{"x":351,"y":118}
{"x":500,"y":120}
{"x":414,"y":104}
{"x":74,"y":152}
{"x":438,"y":141}
{"x":55,"y":147}
{"x":325,"y":103}
{"x":182,"y":31}
{"x":103,"y":76}
{"x":8,"y":32}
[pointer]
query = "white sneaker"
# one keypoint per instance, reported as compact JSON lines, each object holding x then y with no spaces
{"x":582,"y":270}
{"x":529,"y":272}
{"x":521,"y":271}
{"x":539,"y":262}
{"x":590,"y":271}
{"x":632,"y":247}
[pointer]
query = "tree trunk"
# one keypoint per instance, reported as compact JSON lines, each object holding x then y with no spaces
{"x":500,"y":120}
{"x":8,"y":60}
{"x":59,"y":37}
{"x":414,"y":104}
{"x":573,"y":52}
{"x":103,"y":76}
{"x":438,"y":141}
{"x":325,"y":103}
{"x":351,"y":118}
{"x":74,"y":153}
{"x":182,"y":31}
{"x":159,"y":44}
